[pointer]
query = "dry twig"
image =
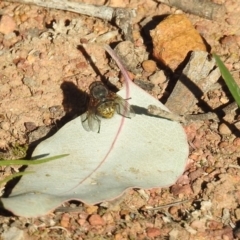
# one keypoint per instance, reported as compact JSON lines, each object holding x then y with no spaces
{"x":165,"y":114}
{"x":122,"y":17}
{"x":202,"y":8}
{"x":167,"y":205}
{"x":187,"y":118}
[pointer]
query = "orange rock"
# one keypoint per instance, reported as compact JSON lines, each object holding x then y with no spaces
{"x":183,"y":190}
{"x":153,"y":232}
{"x":91,"y":209}
{"x":7,"y":24}
{"x":149,"y":66}
{"x":174,"y":38}
{"x":236,"y":141}
{"x":96,"y":219}
{"x":65,"y":220}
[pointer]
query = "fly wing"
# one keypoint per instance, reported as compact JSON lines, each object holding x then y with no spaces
{"x":84,"y":120}
{"x":123,"y":108}
{"x":90,"y":120}
{"x":93,"y":122}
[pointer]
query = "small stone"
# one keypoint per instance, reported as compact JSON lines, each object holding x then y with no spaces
{"x":236,"y":141}
{"x":5,"y":126}
{"x":81,"y":222}
{"x":7,"y":24}
{"x":224,"y":129}
{"x":229,"y":40}
{"x":2,"y":117}
{"x":173,"y":210}
{"x":3,"y":145}
{"x":198,"y":225}
{"x":40,"y":132}
{"x":96,"y":219}
{"x":118,"y":236}
{"x":13,"y":233}
{"x":196,"y":174}
{"x":23,"y":17}
{"x":30,"y":82}
{"x":91,"y":209}
{"x":30,"y":126}
{"x":108,"y":218}
{"x":237,"y":213}
{"x":158,"y":78}
{"x":156,"y":90}
{"x":10,"y":39}
{"x":209,"y":169}
{"x":185,"y":190}
{"x":126,"y":52}
{"x":149,"y":66}
{"x":65,"y":220}
{"x":236,"y":65}
{"x":212,"y":224}
{"x":153,"y":232}
{"x":224,"y":100}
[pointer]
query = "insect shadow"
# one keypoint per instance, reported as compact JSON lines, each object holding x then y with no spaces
{"x":74,"y":101}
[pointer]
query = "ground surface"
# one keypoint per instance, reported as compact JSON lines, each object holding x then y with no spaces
{"x":44,"y":69}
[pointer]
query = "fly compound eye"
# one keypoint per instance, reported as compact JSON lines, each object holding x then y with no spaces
{"x":99,"y":92}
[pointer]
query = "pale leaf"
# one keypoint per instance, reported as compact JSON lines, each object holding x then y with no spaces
{"x":142,"y":152}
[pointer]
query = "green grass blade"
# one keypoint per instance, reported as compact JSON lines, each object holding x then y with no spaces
{"x":229,"y":80}
{"x":6,"y":179}
{"x":30,"y":162}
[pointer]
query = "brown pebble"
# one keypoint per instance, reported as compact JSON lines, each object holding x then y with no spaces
{"x":2,"y":117}
{"x":3,"y":145}
{"x":153,"y":232}
{"x":95,"y":220}
{"x":224,"y":129}
{"x":223,"y":144}
{"x":65,"y":220}
{"x":23,"y":17}
{"x":236,"y":141}
{"x":212,"y":224}
{"x":81,"y":222}
{"x":5,"y":125}
{"x":7,"y":24}
{"x":108,"y":218}
{"x":118,"y":236}
{"x":209,"y":169}
{"x":126,"y":52}
{"x":229,"y":40}
{"x":196,"y":174}
{"x":91,"y":209}
{"x":30,"y":126}
{"x":158,"y":78}
{"x":173,"y":210}
{"x":149,"y":66}
{"x":184,"y":190}
{"x":236,"y":65}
